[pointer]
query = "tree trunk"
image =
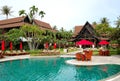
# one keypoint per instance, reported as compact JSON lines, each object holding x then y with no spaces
{"x":37,"y":44}
{"x":30,"y":45}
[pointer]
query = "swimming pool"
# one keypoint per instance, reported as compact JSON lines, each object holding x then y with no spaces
{"x":53,"y":69}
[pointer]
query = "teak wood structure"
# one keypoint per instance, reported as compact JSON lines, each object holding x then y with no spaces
{"x":7,"y":24}
{"x":85,"y":32}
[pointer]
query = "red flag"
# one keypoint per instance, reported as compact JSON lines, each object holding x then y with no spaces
{"x":46,"y":45}
{"x":11,"y":46}
{"x":21,"y":47}
{"x":3,"y":45}
{"x":54,"y":45}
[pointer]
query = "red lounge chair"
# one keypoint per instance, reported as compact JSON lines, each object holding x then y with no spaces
{"x":80,"y":56}
{"x":100,"y":52}
{"x":1,"y":54}
{"x":88,"y":55}
{"x":107,"y":53}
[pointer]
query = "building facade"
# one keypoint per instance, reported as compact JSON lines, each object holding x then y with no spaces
{"x":6,"y":25}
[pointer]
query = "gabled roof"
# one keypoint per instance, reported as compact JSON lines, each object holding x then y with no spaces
{"x":13,"y":22}
{"x":20,"y":21}
{"x":79,"y":28}
{"x":87,"y":32}
{"x":42,"y":24}
{"x":88,"y":27}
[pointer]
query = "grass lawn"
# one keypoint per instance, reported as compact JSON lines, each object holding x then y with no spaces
{"x":95,"y":52}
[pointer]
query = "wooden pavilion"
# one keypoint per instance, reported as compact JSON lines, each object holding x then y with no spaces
{"x":85,"y":32}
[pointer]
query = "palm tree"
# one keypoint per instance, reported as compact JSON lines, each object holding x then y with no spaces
{"x":6,"y":11}
{"x":22,"y":12}
{"x":94,"y":23}
{"x":118,"y":22}
{"x":42,"y":13}
{"x":55,"y":27}
{"x":104,"y":20}
{"x":33,"y":11}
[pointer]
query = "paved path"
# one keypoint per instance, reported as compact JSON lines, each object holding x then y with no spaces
{"x":7,"y":58}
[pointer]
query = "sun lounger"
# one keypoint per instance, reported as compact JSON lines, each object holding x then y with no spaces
{"x":11,"y":53}
{"x":14,"y":53}
{"x":104,"y":52}
{"x":1,"y":54}
{"x":88,"y":55}
{"x":80,"y":56}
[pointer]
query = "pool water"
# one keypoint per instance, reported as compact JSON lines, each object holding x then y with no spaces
{"x":53,"y":69}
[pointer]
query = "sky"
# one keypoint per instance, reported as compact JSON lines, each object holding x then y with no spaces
{"x":67,"y":13}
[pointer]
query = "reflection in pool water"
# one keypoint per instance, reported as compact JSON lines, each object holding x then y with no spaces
{"x":53,"y":69}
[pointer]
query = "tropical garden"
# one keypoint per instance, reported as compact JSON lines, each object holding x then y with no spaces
{"x":36,"y":38}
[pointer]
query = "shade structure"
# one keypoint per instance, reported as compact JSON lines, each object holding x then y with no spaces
{"x":103,"y":42}
{"x":84,"y":42}
{"x":11,"y":46}
{"x":3,"y":45}
{"x":55,"y":45}
{"x":21,"y":47}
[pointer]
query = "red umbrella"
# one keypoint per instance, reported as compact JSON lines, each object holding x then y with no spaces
{"x":84,"y":42}
{"x":103,"y":42}
{"x":90,"y":43}
{"x":21,"y":47}
{"x":77,"y":43}
{"x":3,"y":45}
{"x":55,"y":45}
{"x":11,"y":46}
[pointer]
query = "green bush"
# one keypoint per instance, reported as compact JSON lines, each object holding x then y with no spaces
{"x":118,"y":51}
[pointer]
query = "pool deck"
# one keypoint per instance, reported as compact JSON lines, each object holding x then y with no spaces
{"x":8,"y":58}
{"x":96,"y":60}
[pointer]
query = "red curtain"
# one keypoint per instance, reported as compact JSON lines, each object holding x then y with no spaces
{"x":3,"y":45}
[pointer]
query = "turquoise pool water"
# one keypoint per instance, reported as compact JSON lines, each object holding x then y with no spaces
{"x":53,"y":69}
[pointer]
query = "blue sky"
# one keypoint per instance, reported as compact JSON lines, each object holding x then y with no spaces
{"x":68,"y":13}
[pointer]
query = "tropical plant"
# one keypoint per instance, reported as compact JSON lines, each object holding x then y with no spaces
{"x":42,"y":13}
{"x":33,"y":11}
{"x":55,"y":27}
{"x":22,"y":12}
{"x":103,"y":28}
{"x":117,"y":22}
{"x":104,"y":20}
{"x":14,"y":35}
{"x":64,"y":36}
{"x":6,"y":11}
{"x":33,"y":35}
{"x":94,"y":23}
